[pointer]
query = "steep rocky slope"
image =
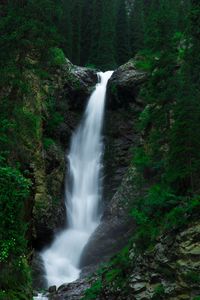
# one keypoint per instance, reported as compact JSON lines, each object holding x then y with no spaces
{"x":63,"y":95}
{"x":120,"y":134}
{"x":68,"y":87}
{"x":122,"y":112}
{"x":168,"y":270}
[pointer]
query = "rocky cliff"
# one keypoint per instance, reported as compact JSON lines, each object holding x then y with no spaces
{"x":65,"y":92}
{"x":170,"y":269}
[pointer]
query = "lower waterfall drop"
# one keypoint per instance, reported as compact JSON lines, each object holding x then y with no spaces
{"x":83,"y":194}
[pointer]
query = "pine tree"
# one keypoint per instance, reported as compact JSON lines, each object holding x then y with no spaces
{"x":76,"y":16}
{"x":86,"y":31}
{"x":106,"y":53}
{"x":65,"y":28}
{"x":184,"y":156}
{"x":137,"y":26}
{"x":122,"y":34}
{"x":97,"y":11}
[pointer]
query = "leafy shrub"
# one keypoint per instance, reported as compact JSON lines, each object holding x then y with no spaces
{"x":47,"y":143}
{"x":193,"y":277}
{"x":141,"y":159}
{"x":91,"y":66}
{"x":94,"y":291}
{"x":56,"y":57}
{"x":144,"y":61}
{"x":158,"y":211}
{"x":159,"y":292}
{"x":53,"y":122}
{"x":15,"y":273}
{"x":53,"y":118}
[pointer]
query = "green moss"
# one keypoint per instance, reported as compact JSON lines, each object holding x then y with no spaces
{"x":13,"y":295}
{"x":15,"y":271}
{"x":94,"y":291}
{"x":114,"y":90}
{"x":192,"y":277}
{"x":56,"y":56}
{"x":159,"y":292}
{"x":144,"y":65}
{"x":91,"y":66}
{"x":47,"y":143}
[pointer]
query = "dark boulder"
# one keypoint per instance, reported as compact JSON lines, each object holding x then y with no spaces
{"x":78,"y":86}
{"x":115,"y":228}
{"x":38,"y":272}
{"x":124,"y":86}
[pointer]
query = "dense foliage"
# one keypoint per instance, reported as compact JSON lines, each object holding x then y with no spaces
{"x":99,"y":33}
{"x":15,"y":279}
{"x":28,"y":40}
{"x":35,"y":37}
{"x":169,"y":154}
{"x":167,"y":45}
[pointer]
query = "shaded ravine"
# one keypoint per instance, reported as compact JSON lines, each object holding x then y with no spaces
{"x":83,"y":192}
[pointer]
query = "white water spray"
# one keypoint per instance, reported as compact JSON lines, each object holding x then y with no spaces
{"x":83,"y":195}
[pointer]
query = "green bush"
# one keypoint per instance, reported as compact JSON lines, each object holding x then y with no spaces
{"x":94,"y":291}
{"x":159,"y":292}
{"x":158,"y":211}
{"x":56,"y":57}
{"x":141,"y":160}
{"x":91,"y":66}
{"x":47,"y":143}
{"x":15,"y":272}
{"x":193,"y":277}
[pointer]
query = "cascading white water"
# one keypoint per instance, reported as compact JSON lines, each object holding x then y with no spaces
{"x":40,"y":297}
{"x":62,"y":258}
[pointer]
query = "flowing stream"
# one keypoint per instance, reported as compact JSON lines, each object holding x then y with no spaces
{"x":83,"y":193}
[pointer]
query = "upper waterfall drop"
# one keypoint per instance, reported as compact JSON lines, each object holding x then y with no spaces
{"x":85,"y":162}
{"x":83,"y":194}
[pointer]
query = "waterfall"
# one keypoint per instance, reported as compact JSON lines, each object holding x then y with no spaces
{"x":83,"y":193}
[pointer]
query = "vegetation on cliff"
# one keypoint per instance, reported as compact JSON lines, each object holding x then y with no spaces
{"x":35,"y":37}
{"x":167,"y":159}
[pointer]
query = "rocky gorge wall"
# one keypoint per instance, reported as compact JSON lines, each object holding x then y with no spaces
{"x":67,"y":90}
{"x":171,"y":268}
{"x":70,"y":86}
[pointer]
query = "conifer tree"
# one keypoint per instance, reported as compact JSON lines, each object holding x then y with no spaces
{"x":86,"y":31}
{"x":65,"y":28}
{"x":137,"y":26}
{"x":122,"y":34}
{"x":184,"y":156}
{"x":76,"y":16}
{"x":97,"y":11}
{"x":106,"y":53}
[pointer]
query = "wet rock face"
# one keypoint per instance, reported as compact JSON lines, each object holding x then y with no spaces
{"x":79,"y":86}
{"x":120,"y":136}
{"x":116,"y":226}
{"x":124,"y":86}
{"x":49,"y":210}
{"x":122,"y":112}
{"x":72,"y":291}
{"x":70,"y":87}
{"x":37,"y":266}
